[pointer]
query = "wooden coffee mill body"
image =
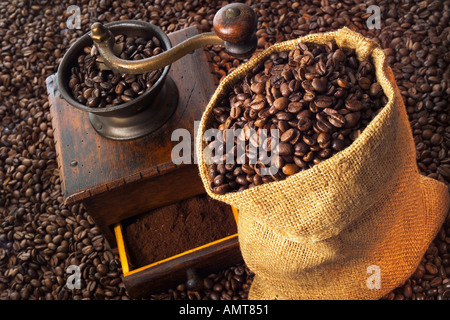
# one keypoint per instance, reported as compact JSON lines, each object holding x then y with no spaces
{"x":116,"y":179}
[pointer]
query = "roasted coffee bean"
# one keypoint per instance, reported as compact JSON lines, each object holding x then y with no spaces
{"x":336,"y":120}
{"x":320,"y":84}
{"x":337,"y":144}
{"x":323,"y":101}
{"x":284,"y":89}
{"x":285,"y":149}
{"x":281,"y":103}
{"x":235,"y":112}
{"x":339,"y":55}
{"x":258,"y":87}
{"x":295,"y":107}
{"x":352,"y":119}
{"x":290,"y":169}
{"x":304,"y":124}
{"x":301,"y":148}
{"x":364,"y":83}
{"x":343,"y":83}
{"x":287,"y":135}
{"x":323,"y":139}
{"x":353,"y":105}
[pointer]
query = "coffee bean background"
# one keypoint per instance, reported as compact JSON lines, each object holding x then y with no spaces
{"x":40,"y":237}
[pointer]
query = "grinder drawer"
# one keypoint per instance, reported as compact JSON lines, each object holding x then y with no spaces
{"x":150,"y":265}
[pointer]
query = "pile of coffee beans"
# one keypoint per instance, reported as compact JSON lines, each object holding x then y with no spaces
{"x":94,"y":85}
{"x":318,"y":97}
{"x":230,"y":284}
{"x":40,"y":237}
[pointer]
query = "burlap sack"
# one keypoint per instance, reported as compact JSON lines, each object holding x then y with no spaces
{"x":326,"y":232}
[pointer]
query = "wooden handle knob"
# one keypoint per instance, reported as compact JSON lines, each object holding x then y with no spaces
{"x":235,"y":22}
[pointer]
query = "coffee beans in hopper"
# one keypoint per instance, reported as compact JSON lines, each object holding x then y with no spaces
{"x":319,"y":98}
{"x":95,"y":86}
